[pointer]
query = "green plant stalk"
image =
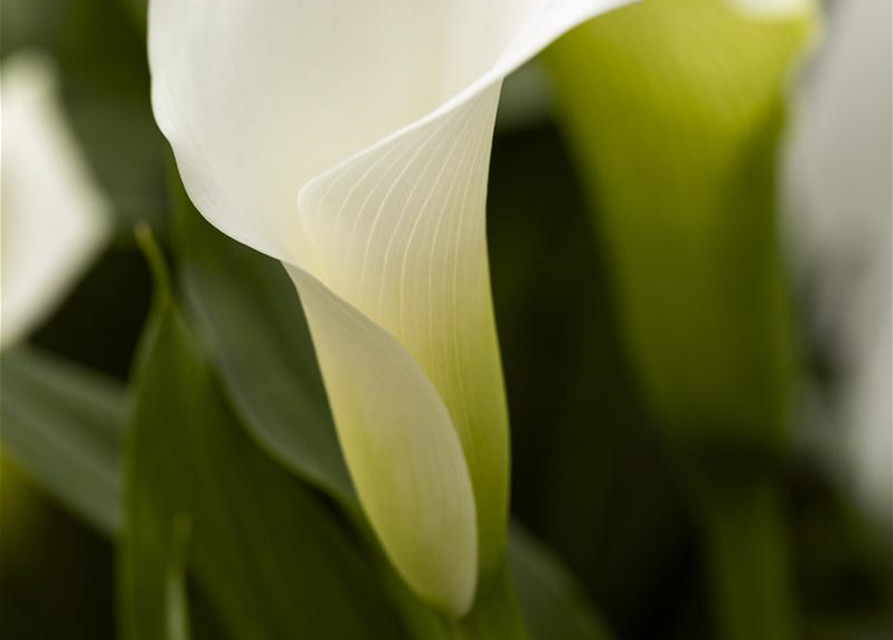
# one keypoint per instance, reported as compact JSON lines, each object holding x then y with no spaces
{"x":496,"y":614}
{"x":748,"y":550}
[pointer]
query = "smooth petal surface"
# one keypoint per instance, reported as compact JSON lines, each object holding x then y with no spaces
{"x":54,"y":218}
{"x":352,"y":141}
{"x":257,"y":97}
{"x":837,"y":182}
{"x":399,"y":234}
{"x":403,"y":454}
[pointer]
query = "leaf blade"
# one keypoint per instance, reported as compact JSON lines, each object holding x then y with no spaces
{"x":247,"y":312}
{"x":269,"y":557}
{"x":553,"y":604}
{"x":63,"y":424}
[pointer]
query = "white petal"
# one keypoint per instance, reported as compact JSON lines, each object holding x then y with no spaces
{"x":399,"y":233}
{"x":259,"y":96}
{"x":403,"y":454}
{"x":54,"y":218}
{"x":838,"y":172}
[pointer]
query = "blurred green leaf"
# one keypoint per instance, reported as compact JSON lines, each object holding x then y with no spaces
{"x":553,"y":604}
{"x":248,"y":312}
{"x":138,"y":10}
{"x":63,"y":425}
{"x":270,"y":558}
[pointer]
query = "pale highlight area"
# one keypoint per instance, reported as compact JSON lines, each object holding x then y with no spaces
{"x":773,"y":9}
{"x":839,"y":192}
{"x":335,"y":77}
{"x":53,"y":217}
{"x":407,"y":225}
{"x":351,"y":140}
{"x":377,"y":389}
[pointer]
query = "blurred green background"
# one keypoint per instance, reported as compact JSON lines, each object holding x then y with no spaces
{"x":600,"y":473}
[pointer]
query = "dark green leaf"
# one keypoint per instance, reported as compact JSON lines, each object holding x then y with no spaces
{"x":249,"y":314}
{"x":553,"y":604}
{"x":63,"y":425}
{"x":269,"y":557}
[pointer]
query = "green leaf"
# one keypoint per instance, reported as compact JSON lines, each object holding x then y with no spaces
{"x":553,"y":604}
{"x":269,"y":557}
{"x":63,"y":425}
{"x":248,"y":312}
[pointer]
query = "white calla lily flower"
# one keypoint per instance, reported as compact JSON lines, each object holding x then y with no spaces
{"x":351,"y":141}
{"x":838,"y":171}
{"x":54,"y":217}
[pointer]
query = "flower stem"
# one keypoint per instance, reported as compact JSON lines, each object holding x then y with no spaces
{"x":496,"y":614}
{"x":750,"y":564}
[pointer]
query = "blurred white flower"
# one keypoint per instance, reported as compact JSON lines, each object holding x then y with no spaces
{"x":351,"y":141}
{"x":54,"y":218}
{"x":839,"y":176}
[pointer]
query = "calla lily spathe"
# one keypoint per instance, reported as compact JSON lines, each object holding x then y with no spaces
{"x":54,"y":216}
{"x":838,"y":167}
{"x":351,"y":141}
